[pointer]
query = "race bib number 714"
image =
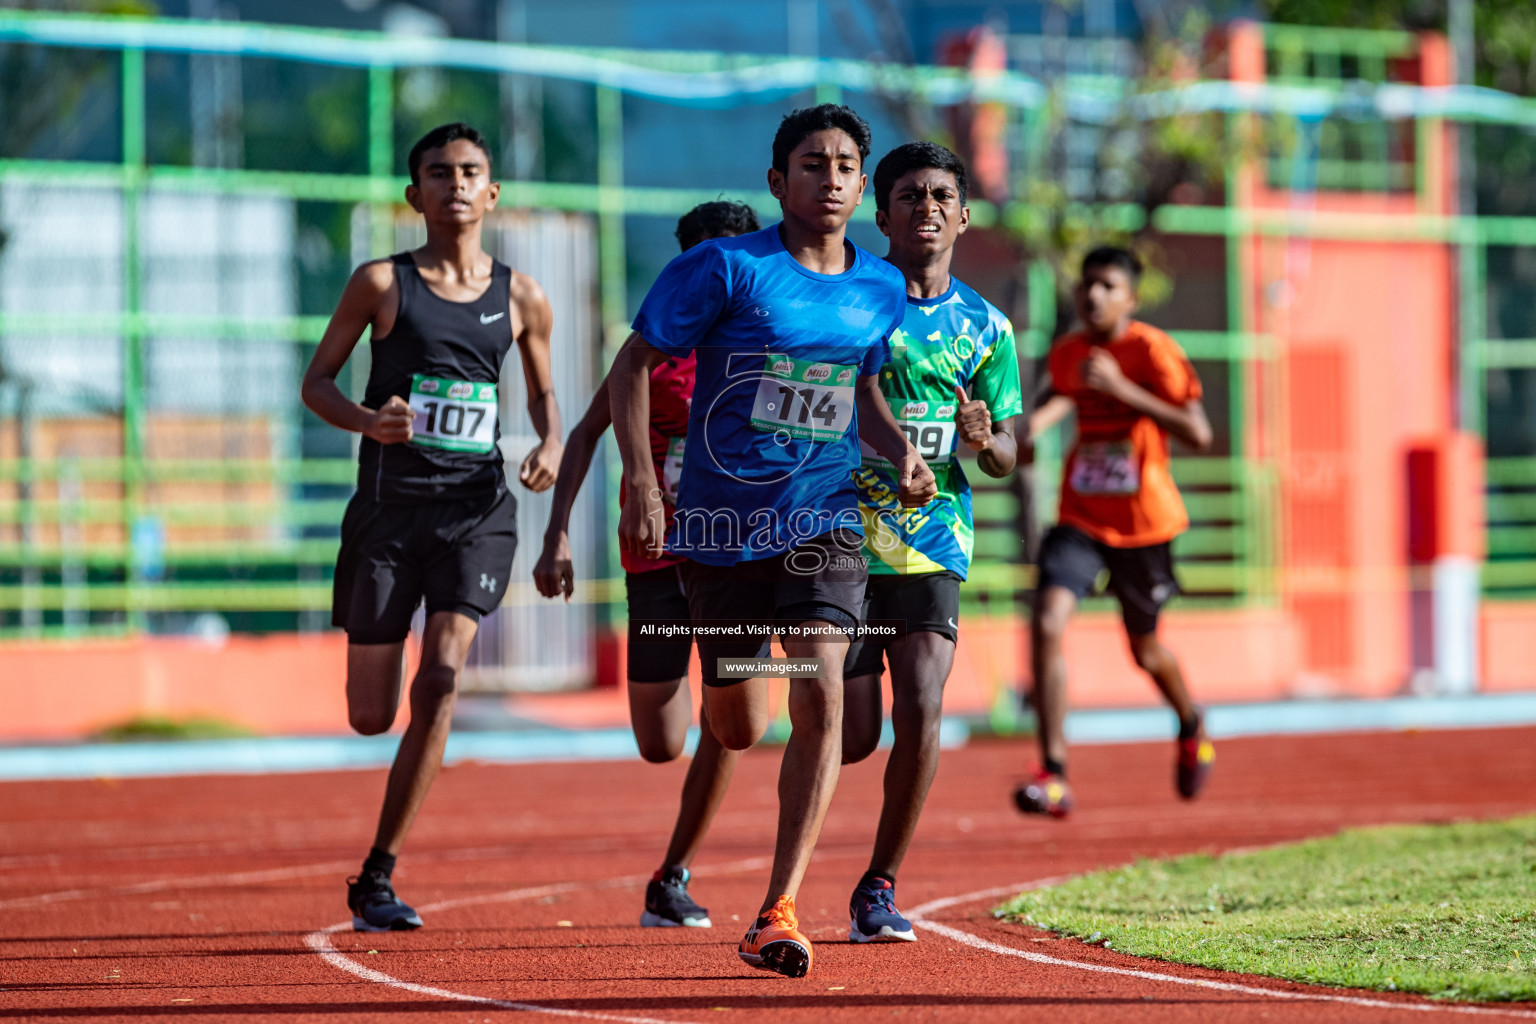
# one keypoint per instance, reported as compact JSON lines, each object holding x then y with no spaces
{"x":1105,"y":467}
{"x":805,"y":400}
{"x":456,"y":415}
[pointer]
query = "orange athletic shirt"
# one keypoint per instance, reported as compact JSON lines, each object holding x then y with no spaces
{"x":1116,"y":485}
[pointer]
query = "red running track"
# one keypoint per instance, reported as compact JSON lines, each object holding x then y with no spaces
{"x":205,"y":899}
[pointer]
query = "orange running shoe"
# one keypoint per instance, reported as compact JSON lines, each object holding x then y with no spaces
{"x":774,"y":942}
{"x":1046,"y":793}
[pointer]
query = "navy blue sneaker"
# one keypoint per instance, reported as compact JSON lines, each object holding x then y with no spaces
{"x":874,"y":914}
{"x":375,"y":907}
{"x":668,"y":905}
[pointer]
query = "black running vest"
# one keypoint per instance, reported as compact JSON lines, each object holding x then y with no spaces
{"x":465,"y":341}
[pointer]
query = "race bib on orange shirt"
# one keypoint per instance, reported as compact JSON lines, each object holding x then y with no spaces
{"x":1105,"y":467}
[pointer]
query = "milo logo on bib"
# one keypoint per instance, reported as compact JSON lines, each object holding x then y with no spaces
{"x":798,"y":399}
{"x":929,"y":426}
{"x":454,"y":415}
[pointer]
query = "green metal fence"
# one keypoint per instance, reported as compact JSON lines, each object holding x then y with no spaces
{"x":141,"y":525}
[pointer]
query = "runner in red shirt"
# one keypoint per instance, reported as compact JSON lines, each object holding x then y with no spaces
{"x":1132,"y":387}
{"x":660,"y":708}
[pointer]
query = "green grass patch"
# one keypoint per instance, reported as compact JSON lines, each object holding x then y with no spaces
{"x":1445,"y":910}
{"x":147,"y":728}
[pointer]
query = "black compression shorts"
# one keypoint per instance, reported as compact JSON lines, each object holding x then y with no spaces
{"x":821,"y":579}
{"x":455,"y":554}
{"x":1142,"y":578}
{"x":657,"y":600}
{"x":922,"y":602}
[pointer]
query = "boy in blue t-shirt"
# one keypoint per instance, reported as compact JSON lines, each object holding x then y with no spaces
{"x":790,"y":326}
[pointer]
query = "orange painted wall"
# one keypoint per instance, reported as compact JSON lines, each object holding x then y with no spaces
{"x":293,"y":685}
{"x":1364,"y":333}
{"x":1365,"y":336}
{"x":1508,"y":646}
{"x":275,"y":685}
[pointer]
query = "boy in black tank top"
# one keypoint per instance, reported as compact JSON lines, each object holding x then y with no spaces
{"x":432,"y":517}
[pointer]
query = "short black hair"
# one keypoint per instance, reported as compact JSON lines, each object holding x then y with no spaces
{"x":916,"y":156}
{"x":439,"y":137}
{"x":799,"y":125}
{"x":713,"y":219}
{"x":1114,"y":256}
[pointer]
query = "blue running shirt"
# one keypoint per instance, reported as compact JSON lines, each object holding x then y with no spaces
{"x":957,"y":338}
{"x":772,"y":433}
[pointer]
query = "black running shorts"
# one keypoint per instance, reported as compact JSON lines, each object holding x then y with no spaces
{"x":926,"y":602}
{"x":821,"y":579}
{"x":1142,"y":578}
{"x":657,"y":601}
{"x":455,"y":554}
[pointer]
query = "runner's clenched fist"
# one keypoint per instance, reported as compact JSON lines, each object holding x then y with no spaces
{"x":973,"y":421}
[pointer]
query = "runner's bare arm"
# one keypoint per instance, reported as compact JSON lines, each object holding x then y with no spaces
{"x":879,"y":429}
{"x":554,"y":575}
{"x":1186,"y":422}
{"x":368,"y":300}
{"x":994,"y":445}
{"x":1048,"y":414}
{"x":540,"y":467}
{"x":641,"y":521}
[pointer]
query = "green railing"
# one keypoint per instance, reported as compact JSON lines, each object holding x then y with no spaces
{"x":1341,"y":154}
{"x":1510,"y":571}
{"x":120,"y":546}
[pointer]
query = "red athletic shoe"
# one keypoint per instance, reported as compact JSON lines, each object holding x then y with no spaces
{"x":774,"y":942}
{"x":1046,"y":793}
{"x":1195,"y":759}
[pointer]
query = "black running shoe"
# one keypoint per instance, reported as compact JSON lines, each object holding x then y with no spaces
{"x":668,"y":905}
{"x":375,"y":907}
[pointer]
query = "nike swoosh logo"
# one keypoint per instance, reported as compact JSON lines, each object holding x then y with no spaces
{"x":953,"y":624}
{"x":491,"y":319}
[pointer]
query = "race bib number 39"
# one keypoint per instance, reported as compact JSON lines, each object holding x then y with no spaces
{"x":1105,"y":467}
{"x":805,"y":400}
{"x":456,"y":415}
{"x":929,"y":426}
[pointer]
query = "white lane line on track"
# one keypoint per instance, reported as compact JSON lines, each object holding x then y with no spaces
{"x":320,"y":942}
{"x":196,"y":882}
{"x":918,"y":915}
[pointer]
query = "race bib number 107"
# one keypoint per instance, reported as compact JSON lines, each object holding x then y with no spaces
{"x":455,"y":415}
{"x":805,"y":400}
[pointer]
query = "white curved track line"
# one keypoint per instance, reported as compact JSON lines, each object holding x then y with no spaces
{"x":918,"y":916}
{"x":320,"y":942}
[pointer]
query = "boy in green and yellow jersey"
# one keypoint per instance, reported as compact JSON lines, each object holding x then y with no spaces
{"x":953,"y":379}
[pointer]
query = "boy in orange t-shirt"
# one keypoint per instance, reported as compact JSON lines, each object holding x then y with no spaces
{"x":1132,"y":387}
